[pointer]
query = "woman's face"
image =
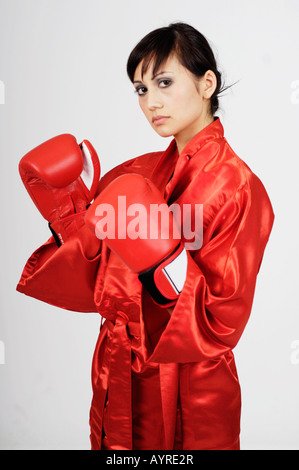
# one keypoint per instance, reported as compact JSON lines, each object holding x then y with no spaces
{"x":177,"y":96}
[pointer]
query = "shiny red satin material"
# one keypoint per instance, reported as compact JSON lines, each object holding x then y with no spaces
{"x":164,"y":381}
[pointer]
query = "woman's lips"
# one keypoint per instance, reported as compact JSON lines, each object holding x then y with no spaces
{"x":158,"y":120}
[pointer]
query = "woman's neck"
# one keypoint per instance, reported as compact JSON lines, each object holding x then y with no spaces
{"x":187,"y":134}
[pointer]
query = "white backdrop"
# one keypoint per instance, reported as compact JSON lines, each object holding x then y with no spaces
{"x":63,"y":69}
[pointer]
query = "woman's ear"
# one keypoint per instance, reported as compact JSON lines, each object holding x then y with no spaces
{"x":208,"y":84}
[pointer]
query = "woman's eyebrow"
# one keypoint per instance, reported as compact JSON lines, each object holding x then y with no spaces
{"x":154,"y":76}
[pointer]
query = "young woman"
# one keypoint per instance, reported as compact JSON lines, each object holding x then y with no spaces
{"x":163,"y":373}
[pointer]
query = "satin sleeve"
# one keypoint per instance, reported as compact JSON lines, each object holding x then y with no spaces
{"x":215,"y":303}
{"x":64,"y":276}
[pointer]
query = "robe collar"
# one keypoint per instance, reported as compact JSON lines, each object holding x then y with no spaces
{"x":211,"y":132}
{"x":168,"y":171}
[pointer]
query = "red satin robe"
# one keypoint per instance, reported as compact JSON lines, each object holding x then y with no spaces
{"x":164,"y":381}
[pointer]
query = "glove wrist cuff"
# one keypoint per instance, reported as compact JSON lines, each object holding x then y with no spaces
{"x":165,"y":281}
{"x":64,"y":228}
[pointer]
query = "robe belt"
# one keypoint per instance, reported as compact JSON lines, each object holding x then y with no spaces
{"x":120,"y":390}
{"x":119,"y":384}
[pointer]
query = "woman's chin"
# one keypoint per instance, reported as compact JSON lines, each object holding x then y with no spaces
{"x":164,"y":132}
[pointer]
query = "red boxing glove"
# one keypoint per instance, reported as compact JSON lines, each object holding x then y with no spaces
{"x":155,"y":251}
{"x":62,"y":178}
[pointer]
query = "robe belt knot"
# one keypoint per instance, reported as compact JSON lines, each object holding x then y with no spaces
{"x":133,"y":327}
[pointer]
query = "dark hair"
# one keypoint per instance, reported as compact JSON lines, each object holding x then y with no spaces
{"x":190,"y":46}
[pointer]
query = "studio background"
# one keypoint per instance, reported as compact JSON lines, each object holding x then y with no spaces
{"x":63,"y":70}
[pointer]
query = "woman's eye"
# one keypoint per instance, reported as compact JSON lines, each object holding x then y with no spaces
{"x":166,"y":82}
{"x":140,"y":90}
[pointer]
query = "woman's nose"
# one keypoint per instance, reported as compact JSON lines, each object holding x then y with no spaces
{"x":153,"y":101}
